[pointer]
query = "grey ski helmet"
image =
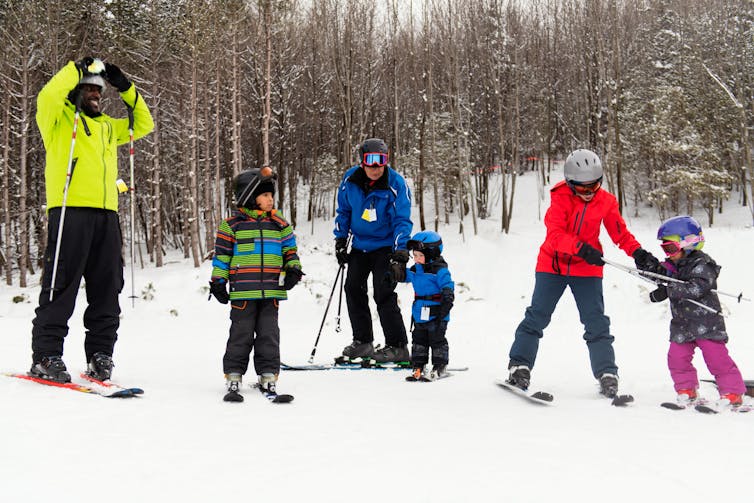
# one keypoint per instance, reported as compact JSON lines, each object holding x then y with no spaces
{"x":94,"y":79}
{"x":583,"y":166}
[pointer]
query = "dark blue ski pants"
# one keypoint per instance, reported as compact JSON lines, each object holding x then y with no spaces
{"x":587,"y":291}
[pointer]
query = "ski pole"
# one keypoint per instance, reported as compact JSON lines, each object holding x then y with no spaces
{"x":341,"y":268}
{"x":639,"y":274}
{"x":68,"y":173}
{"x":132,"y":195}
{"x":659,"y":277}
{"x":340,"y":304}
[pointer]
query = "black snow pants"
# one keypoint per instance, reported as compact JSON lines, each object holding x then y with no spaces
{"x":90,"y":248}
{"x":254,"y":325}
{"x":429,"y":335}
{"x":376,"y":263}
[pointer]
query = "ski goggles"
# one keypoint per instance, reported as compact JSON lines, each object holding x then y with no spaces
{"x":96,"y":67}
{"x":374,"y":159}
{"x":586,"y":189}
{"x":673,"y":247}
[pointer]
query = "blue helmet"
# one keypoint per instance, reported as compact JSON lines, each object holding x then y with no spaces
{"x":683,"y":229}
{"x":427,"y":242}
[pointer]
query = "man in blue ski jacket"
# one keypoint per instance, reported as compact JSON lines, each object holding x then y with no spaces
{"x":374,"y":207}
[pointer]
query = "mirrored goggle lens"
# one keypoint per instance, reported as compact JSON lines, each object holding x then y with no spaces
{"x":375,"y":159}
{"x":670,"y":247}
{"x":96,"y":66}
{"x":586,"y":188}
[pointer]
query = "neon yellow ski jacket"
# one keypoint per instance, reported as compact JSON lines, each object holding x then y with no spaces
{"x":95,"y":154}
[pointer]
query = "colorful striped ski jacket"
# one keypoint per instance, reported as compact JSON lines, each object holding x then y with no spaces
{"x":252,"y":249}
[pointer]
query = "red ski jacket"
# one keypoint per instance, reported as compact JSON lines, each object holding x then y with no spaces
{"x":570,"y":222}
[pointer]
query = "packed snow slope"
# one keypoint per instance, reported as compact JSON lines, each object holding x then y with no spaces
{"x":369,"y":435}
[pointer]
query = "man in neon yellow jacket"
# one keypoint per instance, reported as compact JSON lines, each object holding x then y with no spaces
{"x":91,"y":240}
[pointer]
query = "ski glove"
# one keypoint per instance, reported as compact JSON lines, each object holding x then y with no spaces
{"x":659,"y":295}
{"x":447,"y":303}
{"x":116,"y":78}
{"x":590,"y":254}
{"x":292,"y":277}
{"x":83,"y":64}
{"x":398,"y":261}
{"x":645,"y":261}
{"x":219,"y":290}
{"x":341,"y":250}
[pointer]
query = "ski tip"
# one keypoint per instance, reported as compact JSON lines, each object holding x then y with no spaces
{"x":282,"y":399}
{"x":672,"y":406}
{"x":233,"y":397}
{"x":622,"y":400}
{"x":542,"y":395}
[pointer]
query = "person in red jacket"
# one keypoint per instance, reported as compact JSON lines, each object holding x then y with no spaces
{"x":571,"y":256}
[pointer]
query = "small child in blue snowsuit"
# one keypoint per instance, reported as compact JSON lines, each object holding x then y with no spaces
{"x":433,"y":300}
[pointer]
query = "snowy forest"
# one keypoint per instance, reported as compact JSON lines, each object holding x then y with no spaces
{"x":469,"y":94}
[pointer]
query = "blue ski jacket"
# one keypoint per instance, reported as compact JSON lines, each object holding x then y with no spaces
{"x":378,"y":214}
{"x":433,"y":286}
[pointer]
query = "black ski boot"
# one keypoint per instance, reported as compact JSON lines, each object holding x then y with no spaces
{"x":609,"y":385}
{"x":390,"y":354}
{"x":519,"y":376}
{"x":439,"y":372}
{"x":233,"y":384}
{"x":51,"y":368}
{"x":100,"y":366}
{"x":356,"y":352}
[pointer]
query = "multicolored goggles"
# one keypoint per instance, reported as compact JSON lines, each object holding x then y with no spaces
{"x":374,"y":159}
{"x":674,"y":244}
{"x":585,"y":188}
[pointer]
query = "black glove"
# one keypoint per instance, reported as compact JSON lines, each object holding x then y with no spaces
{"x":292,"y":277}
{"x":645,"y":261}
{"x":659,"y":295}
{"x":398,"y":261}
{"x":116,"y":78}
{"x":219,"y":290}
{"x":590,"y":254}
{"x":83,"y":64}
{"x":447,"y":302}
{"x":341,"y":250}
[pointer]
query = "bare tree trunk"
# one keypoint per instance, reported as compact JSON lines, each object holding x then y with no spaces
{"x":267,"y":79}
{"x":156,"y":193}
{"x":193,"y":175}
{"x":235,"y":97}
{"x":23,"y":256}
{"x":7,"y":262}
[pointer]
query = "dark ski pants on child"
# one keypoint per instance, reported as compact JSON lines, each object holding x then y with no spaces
{"x":587,"y":291}
{"x":719,"y":363}
{"x":376,"y":263}
{"x":429,"y":335}
{"x":90,"y":248}
{"x":253,"y":325}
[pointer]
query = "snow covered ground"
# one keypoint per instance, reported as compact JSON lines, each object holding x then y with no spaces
{"x":368,"y":435}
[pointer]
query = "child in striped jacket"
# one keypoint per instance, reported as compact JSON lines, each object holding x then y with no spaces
{"x":255,"y":254}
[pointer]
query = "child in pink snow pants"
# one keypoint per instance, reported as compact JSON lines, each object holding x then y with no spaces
{"x":695,"y":309}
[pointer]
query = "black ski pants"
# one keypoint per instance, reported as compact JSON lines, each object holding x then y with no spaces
{"x":429,"y":335}
{"x":90,"y":248}
{"x":377,"y":263}
{"x":253,"y":325}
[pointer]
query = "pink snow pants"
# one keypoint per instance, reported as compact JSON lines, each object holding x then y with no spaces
{"x":718,"y":361}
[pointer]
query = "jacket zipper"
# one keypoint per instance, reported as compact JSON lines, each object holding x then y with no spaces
{"x":261,"y":255}
{"x":104,"y":167}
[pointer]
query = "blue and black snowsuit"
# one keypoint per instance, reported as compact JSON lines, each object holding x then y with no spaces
{"x":430,"y":313}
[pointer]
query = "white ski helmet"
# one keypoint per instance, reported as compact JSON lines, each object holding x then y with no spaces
{"x":582,"y":166}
